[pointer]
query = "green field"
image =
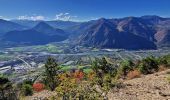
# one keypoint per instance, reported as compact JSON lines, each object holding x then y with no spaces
{"x":51,"y":48}
{"x":84,"y":68}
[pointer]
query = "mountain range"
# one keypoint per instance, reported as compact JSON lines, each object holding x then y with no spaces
{"x":145,"y":32}
{"x":57,"y":24}
{"x":42,"y":33}
{"x":6,"y":26}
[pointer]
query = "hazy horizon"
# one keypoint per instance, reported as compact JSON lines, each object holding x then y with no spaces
{"x":76,"y":10}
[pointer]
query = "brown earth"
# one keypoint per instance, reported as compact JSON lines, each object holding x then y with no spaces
{"x":149,"y":87}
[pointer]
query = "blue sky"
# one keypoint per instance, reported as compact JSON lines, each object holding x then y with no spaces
{"x":81,"y":10}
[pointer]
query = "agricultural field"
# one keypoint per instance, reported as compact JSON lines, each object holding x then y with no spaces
{"x":51,"y":48}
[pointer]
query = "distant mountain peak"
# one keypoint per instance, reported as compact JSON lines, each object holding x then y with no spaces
{"x":47,"y":29}
{"x":102,"y":19}
{"x":6,"y":26}
{"x":42,"y":24}
{"x":151,"y":16}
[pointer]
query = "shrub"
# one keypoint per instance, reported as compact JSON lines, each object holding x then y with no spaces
{"x":101,"y":66}
{"x":70,"y":89}
{"x":38,"y":87}
{"x":125,"y":67}
{"x":162,"y":61}
{"x":27,"y":89}
{"x":30,"y":82}
{"x":133,"y":74}
{"x":148,"y":65}
{"x":91,"y":75}
{"x":107,"y":82}
{"x":167,"y":59}
{"x":79,"y":74}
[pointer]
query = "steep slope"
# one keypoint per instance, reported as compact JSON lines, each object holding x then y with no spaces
{"x":80,"y":28}
{"x":104,"y":34}
{"x":137,"y":26}
{"x":40,"y":34}
{"x":47,"y":29}
{"x":163,"y":38}
{"x":6,"y":26}
{"x":31,"y":37}
{"x":56,"y":24}
{"x":149,"y":87}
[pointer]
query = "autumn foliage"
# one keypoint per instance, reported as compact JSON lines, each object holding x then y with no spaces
{"x":38,"y":87}
{"x":79,"y":75}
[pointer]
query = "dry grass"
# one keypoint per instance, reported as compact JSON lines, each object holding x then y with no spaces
{"x":133,"y":74}
{"x":162,"y":68}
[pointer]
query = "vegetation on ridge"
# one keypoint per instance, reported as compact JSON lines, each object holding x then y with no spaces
{"x":76,"y":84}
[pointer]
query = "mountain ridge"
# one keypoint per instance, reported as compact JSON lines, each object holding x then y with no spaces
{"x":40,"y":34}
{"x":144,"y":28}
{"x":145,"y":32}
{"x":6,"y":26}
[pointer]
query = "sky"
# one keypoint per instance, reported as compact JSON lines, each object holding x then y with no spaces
{"x":81,"y":10}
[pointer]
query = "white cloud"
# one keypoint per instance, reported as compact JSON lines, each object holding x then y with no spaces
{"x":34,"y":17}
{"x":65,"y":17}
{"x":2,"y":17}
{"x":94,"y":18}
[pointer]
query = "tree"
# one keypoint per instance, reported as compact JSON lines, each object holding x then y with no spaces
{"x":6,"y":90}
{"x":27,"y":89}
{"x":104,"y":71}
{"x":51,"y":77}
{"x":103,"y":67}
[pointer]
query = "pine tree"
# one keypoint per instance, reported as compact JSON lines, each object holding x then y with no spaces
{"x":51,"y":70}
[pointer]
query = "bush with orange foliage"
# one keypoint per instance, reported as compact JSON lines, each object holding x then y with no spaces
{"x":38,"y":87}
{"x":79,"y":74}
{"x":133,"y":74}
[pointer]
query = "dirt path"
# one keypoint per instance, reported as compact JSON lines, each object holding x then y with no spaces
{"x":149,"y":87}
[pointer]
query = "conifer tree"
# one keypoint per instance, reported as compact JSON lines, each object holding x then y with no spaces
{"x":51,"y":70}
